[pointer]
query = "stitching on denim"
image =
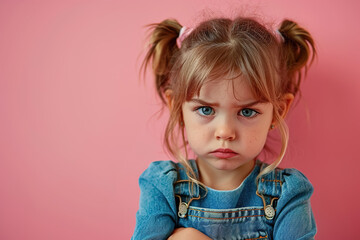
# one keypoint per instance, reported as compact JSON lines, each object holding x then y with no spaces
{"x":242,"y":210}
{"x":261,"y":237}
{"x":276,"y":181}
{"x":226,"y":218}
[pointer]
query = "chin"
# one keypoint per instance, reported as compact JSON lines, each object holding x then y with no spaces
{"x":225,"y":164}
{"x":229,"y":164}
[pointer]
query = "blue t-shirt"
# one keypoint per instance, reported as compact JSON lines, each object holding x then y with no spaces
{"x":278,"y":207}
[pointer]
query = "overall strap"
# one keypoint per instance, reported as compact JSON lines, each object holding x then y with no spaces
{"x":186,"y":190}
{"x":269,"y":190}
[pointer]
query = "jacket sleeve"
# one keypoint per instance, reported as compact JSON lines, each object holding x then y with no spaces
{"x":156,"y":216}
{"x":295,"y":219}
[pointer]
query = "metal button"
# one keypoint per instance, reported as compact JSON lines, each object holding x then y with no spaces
{"x":269,"y":212}
{"x":183,"y":208}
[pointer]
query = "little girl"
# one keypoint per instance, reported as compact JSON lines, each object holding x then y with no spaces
{"x":227,"y":84}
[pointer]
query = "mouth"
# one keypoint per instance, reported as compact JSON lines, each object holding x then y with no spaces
{"x":224,"y":153}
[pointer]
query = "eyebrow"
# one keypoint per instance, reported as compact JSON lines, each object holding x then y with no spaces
{"x":202,"y":102}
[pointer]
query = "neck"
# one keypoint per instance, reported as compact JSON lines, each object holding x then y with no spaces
{"x":223,"y":179}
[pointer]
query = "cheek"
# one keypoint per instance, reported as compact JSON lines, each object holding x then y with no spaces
{"x":193,"y":134}
{"x":257,"y":137}
{"x":196,"y":137}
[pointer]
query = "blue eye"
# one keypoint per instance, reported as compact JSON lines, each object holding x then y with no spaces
{"x":248,"y":113}
{"x":206,"y":111}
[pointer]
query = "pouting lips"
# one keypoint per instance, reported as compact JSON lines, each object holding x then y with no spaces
{"x":224,"y":153}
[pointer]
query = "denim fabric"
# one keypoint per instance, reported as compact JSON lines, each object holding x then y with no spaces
{"x":235,"y":214}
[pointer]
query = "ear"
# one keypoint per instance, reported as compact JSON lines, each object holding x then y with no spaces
{"x":285,"y":104}
{"x":169,"y":98}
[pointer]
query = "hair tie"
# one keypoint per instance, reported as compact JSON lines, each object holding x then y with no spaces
{"x":184,"y":32}
{"x":279,"y":36}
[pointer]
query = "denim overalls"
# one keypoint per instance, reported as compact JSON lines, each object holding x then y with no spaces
{"x":278,"y":207}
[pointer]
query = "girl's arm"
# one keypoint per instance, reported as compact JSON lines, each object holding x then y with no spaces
{"x":188,"y":233}
{"x":156,"y":216}
{"x":295,"y":219}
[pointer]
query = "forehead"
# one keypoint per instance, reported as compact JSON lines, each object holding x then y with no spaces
{"x":237,"y":89}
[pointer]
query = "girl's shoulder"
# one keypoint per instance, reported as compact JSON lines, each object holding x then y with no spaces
{"x":287,"y":182}
{"x":294,"y":177}
{"x":163,"y":171}
{"x":296,"y":185}
{"x":290,"y":176}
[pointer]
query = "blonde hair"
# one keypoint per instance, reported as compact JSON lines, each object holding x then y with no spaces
{"x":224,"y":47}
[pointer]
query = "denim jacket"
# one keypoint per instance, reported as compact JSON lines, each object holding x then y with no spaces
{"x":278,"y":207}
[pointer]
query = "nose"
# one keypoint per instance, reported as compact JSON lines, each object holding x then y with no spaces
{"x":225,"y":131}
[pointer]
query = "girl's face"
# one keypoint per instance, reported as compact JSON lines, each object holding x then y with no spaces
{"x":226,"y":126}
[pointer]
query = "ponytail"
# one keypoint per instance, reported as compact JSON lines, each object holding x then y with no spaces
{"x":162,"y":48}
{"x":298,"y":52}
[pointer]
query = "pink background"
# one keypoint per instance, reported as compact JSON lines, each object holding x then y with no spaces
{"x":77,"y":127}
